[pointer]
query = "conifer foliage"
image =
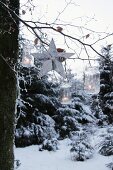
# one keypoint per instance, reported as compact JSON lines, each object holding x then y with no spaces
{"x":41,"y":118}
{"x":106,"y":83}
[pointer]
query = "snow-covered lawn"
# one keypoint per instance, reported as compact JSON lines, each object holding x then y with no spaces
{"x":33,"y":159}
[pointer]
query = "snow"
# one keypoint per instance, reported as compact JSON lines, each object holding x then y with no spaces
{"x":33,"y":159}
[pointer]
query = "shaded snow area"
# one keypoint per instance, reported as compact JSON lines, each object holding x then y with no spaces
{"x":30,"y":158}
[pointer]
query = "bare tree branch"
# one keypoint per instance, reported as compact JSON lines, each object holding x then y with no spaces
{"x":35,"y":26}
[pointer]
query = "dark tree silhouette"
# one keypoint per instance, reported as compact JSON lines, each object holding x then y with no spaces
{"x":106,"y":83}
{"x":8,"y":58}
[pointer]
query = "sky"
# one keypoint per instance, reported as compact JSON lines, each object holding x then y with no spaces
{"x":100,"y":10}
{"x":96,"y":15}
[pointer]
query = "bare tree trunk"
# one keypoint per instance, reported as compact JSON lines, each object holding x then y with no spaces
{"x":7,"y":108}
{"x":8,"y":57}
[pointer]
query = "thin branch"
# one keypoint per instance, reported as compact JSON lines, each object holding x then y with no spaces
{"x":48,"y":26}
{"x":67,"y":4}
{"x":100,"y":39}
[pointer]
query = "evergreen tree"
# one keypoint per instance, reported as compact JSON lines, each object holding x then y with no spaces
{"x":106,"y":83}
{"x":36,"y":106}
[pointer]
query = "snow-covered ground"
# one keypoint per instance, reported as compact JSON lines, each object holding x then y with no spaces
{"x":33,"y":159}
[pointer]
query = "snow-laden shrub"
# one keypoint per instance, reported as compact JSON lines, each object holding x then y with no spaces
{"x":69,"y":118}
{"x":84,"y":115}
{"x":24,"y":136}
{"x":50,"y":145}
{"x":110,"y":165}
{"x":40,"y":128}
{"x":101,"y":118}
{"x":78,"y":97}
{"x":66,"y":121}
{"x":44,"y":104}
{"x":81,"y":149}
{"x":106,"y":146}
{"x":70,"y":125}
{"x":45,"y":132}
